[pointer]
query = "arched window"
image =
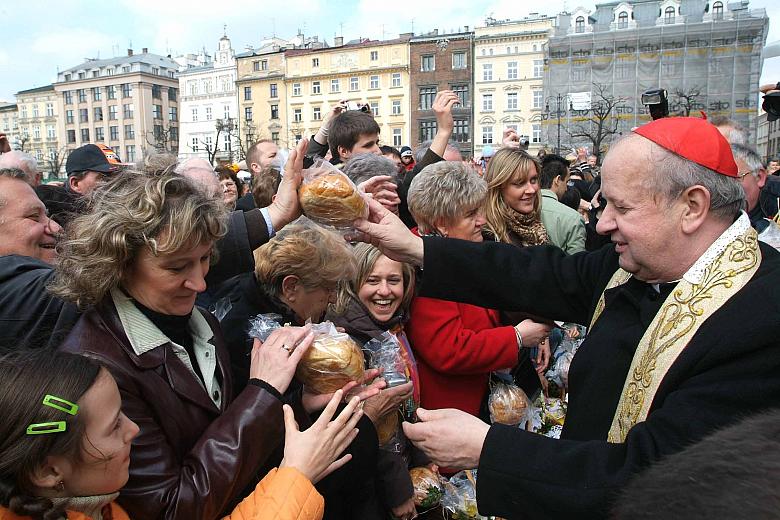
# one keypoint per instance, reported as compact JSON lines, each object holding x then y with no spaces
{"x":579,"y":24}
{"x":669,"y":15}
{"x":623,"y":20}
{"x":717,"y":11}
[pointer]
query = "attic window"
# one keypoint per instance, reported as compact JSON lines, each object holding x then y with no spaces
{"x":579,"y":24}
{"x":623,"y":20}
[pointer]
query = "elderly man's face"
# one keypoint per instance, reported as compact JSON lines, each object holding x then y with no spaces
{"x":752,"y":184}
{"x":643,"y":227}
{"x":25,"y":229}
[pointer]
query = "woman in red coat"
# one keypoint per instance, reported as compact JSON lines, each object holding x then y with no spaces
{"x":459,"y":345}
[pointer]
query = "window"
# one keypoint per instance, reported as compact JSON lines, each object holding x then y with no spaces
{"x":296,"y":89}
{"x":427,"y":95}
{"x":462,"y":92}
{"x":173,"y":134}
{"x":275,"y":90}
{"x":37,"y":132}
{"x":511,"y":70}
{"x":487,"y":72}
{"x":427,"y":130}
{"x":579,"y":75}
{"x":82,"y":95}
{"x":100,"y":134}
{"x":226,"y":111}
{"x":247,"y":93}
{"x":275,"y":137}
{"x":209,"y":114}
{"x":156,"y":71}
{"x":717,"y":11}
{"x":71,"y":136}
{"x":68,"y":96}
{"x":487,"y":102}
{"x":69,"y":116}
{"x":85,"y":135}
{"x":36,"y":111}
{"x":173,"y":114}
{"x":374,"y":108}
{"x":194,"y":144}
{"x":428,"y":63}
{"x":536,"y":133}
{"x":125,"y":69}
{"x":487,"y":134}
{"x":112,"y":112}
{"x":129,"y":132}
{"x":579,"y":24}
{"x":354,"y":83}
{"x":127,"y":90}
{"x":111,"y":91}
{"x":156,"y":112}
{"x":373,"y":82}
{"x":397,"y":137}
{"x":274,"y":111}
{"x":248,"y":113}
{"x":83,"y":115}
{"x":256,"y":66}
{"x":623,"y":20}
{"x":315,"y":87}
{"x":458,"y":60}
{"x":396,"y":110}
{"x":208,"y":142}
{"x":315,"y":62}
{"x":538,"y":68}
{"x":82,"y":75}
{"x":130,"y":153}
{"x":508,"y":49}
{"x":335,"y":85}
{"x":49,"y":109}
{"x":156,"y":93}
{"x":669,"y":15}
{"x":128,"y":111}
{"x":538,"y":98}
{"x":317,"y":114}
{"x":297,"y":115}
{"x":171,"y":94}
{"x":98,"y":113}
{"x":23,"y":113}
{"x":460,"y":132}
{"x":511,"y":101}
{"x":263,"y":64}
{"x":396,"y":79}
{"x":158,"y":133}
{"x":226,"y":143}
{"x":51,"y":132}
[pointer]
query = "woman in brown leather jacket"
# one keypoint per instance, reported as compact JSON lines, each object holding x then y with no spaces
{"x":139,"y":257}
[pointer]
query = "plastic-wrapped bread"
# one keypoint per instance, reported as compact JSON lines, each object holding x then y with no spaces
{"x":428,"y":489}
{"x":332,"y":361}
{"x":508,"y":404}
{"x":329,"y":197}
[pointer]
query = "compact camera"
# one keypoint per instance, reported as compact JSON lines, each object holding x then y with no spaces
{"x":363,"y":107}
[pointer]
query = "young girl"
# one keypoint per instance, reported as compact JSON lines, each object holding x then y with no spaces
{"x":65,"y":446}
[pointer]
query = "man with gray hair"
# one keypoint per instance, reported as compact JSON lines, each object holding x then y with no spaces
{"x":24,"y":162}
{"x":753,"y":177}
{"x":674,"y":349}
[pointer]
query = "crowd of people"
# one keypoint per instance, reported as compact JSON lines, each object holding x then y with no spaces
{"x":131,"y":386}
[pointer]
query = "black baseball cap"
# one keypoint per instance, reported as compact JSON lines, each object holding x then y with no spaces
{"x":93,"y":157}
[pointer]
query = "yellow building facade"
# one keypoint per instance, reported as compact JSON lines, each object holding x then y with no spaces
{"x":370,"y":72}
{"x":38,"y":117}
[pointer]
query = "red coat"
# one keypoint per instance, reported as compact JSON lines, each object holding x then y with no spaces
{"x":457,"y":346}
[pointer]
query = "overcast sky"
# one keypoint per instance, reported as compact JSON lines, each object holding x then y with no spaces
{"x":45,"y":36}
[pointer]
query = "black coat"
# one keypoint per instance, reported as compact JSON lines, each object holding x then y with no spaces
{"x":728,"y":370}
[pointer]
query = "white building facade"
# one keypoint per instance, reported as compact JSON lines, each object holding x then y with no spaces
{"x":209,"y":109}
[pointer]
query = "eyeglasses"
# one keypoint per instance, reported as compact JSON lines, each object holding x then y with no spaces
{"x":742,"y":175}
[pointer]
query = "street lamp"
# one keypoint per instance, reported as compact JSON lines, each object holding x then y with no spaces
{"x":559,"y":102}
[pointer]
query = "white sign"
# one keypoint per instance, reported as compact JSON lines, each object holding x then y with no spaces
{"x":580,"y":100}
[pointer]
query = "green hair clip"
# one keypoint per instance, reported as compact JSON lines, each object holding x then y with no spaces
{"x":63,"y":405}
{"x":46,"y":427}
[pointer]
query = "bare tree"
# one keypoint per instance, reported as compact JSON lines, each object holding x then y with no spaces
{"x":21,"y":142}
{"x":56,"y":160}
{"x":162,"y":139}
{"x":686,"y":101}
{"x":600,"y":122}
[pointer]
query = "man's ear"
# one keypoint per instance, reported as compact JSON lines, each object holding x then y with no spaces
{"x":344,"y":153}
{"x":290,"y":285}
{"x":73,"y":183}
{"x":254,"y":168}
{"x":696,"y":200}
{"x":761,"y":180}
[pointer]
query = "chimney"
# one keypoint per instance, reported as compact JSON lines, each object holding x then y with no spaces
{"x":145,"y":50}
{"x":129,"y":52}
{"x":338,"y":41}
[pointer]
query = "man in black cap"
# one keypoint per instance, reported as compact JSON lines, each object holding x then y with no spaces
{"x":86,"y":166}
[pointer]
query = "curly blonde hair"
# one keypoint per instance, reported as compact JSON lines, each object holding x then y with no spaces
{"x":163,"y":212}
{"x":507,"y":165}
{"x":317,"y":256}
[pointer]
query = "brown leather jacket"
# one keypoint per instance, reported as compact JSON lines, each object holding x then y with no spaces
{"x":190,"y":459}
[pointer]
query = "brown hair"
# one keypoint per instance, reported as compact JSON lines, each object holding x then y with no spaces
{"x":264,"y":186}
{"x":25,"y":378}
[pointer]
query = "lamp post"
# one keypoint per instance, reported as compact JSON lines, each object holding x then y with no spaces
{"x":559,"y":102}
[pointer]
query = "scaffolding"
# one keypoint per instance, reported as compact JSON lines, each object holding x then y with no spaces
{"x":716,"y":62}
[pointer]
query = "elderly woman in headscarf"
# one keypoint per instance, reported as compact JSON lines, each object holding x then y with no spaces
{"x":459,"y":345}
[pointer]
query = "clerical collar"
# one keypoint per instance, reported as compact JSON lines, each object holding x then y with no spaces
{"x":695,"y":274}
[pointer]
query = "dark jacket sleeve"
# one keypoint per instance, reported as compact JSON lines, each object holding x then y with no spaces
{"x":541,"y":280}
{"x":430,"y":157}
{"x":394,"y":484}
{"x":314,"y":151}
{"x":247,"y":230}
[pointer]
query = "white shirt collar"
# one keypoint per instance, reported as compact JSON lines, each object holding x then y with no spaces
{"x":695,"y":274}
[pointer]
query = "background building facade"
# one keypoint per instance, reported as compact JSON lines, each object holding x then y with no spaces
{"x":128,"y":103}
{"x":9,"y":123}
{"x":508,"y":79}
{"x":38,"y":119}
{"x":442,"y":62}
{"x":209,"y":108}
{"x":706,"y":54}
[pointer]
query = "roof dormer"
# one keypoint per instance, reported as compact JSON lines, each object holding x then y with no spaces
{"x":669,"y":14}
{"x":581,"y":21}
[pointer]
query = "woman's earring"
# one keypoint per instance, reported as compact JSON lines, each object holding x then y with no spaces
{"x":60,"y":486}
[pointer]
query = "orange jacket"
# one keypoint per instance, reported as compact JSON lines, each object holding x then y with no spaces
{"x":283,"y":494}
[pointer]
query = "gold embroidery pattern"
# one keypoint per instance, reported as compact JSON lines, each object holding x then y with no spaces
{"x":686,"y":308}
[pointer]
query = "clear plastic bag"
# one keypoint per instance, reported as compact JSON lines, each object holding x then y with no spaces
{"x":559,"y":373}
{"x":460,"y":497}
{"x":391,"y":354}
{"x":771,"y":235}
{"x":262,"y":325}
{"x":332,"y":361}
{"x":508,"y":404}
{"x":328,"y":197}
{"x":428,"y":487}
